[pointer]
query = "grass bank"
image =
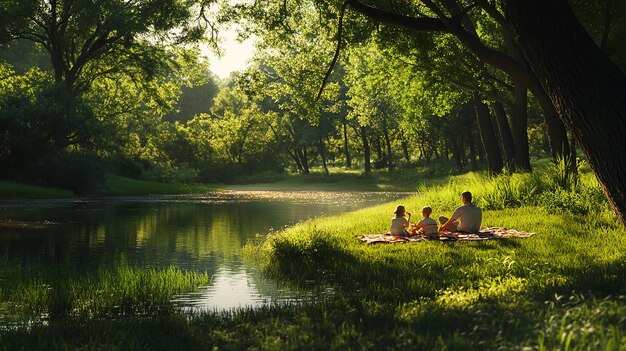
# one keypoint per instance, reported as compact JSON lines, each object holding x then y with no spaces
{"x":338,"y":180}
{"x":24,"y":191}
{"x":116,"y":186}
{"x":123,"y":186}
{"x":562,"y":289}
{"x":341,"y":179}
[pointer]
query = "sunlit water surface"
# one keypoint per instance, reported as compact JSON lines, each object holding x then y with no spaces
{"x":201,"y":233}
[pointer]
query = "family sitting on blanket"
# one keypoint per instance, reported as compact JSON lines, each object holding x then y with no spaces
{"x":465,"y":219}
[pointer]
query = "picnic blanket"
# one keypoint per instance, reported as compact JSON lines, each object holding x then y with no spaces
{"x":488,"y":233}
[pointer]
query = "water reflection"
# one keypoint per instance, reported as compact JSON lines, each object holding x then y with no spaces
{"x":201,"y":233}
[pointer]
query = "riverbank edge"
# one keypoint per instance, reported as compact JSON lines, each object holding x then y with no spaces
{"x":118,"y":186}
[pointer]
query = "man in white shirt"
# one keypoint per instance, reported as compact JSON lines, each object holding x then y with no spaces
{"x":466,"y":218}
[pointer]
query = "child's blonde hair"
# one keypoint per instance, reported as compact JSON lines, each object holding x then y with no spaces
{"x":427,"y":210}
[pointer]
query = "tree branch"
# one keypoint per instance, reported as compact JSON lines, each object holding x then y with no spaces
{"x":492,"y":11}
{"x":334,"y":61}
{"x":420,"y":24}
{"x":424,"y":24}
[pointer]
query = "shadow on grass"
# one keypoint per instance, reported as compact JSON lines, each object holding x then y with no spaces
{"x":529,"y":317}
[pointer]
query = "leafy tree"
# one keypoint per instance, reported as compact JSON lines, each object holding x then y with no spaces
{"x":288,"y":71}
{"x":198,"y":92}
{"x":371,"y":97}
{"x":86,"y":39}
{"x":589,"y":105}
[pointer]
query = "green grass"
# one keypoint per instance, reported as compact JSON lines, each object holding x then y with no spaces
{"x":23,"y":191}
{"x":562,"y":289}
{"x":60,"y":293}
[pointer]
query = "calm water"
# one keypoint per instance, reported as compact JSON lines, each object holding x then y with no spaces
{"x":202,"y":233}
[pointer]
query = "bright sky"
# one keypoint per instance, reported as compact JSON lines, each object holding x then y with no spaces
{"x":235,"y":54}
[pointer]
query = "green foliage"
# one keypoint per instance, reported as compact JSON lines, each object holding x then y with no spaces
{"x":235,"y":141}
{"x":45,"y":131}
{"x":86,"y":39}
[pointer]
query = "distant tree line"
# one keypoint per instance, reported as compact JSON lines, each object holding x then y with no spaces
{"x":118,"y":86}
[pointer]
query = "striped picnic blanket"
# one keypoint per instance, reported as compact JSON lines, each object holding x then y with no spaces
{"x":488,"y":233}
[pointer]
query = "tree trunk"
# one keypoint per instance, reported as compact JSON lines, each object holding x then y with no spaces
{"x":322,"y":149}
{"x":468,"y":114}
{"x":366,"y":150}
{"x":379,"y":149}
{"x":345,"y":146}
{"x":296,"y":159}
{"x":557,"y":134}
{"x":304,"y":159}
{"x":405,"y":149}
{"x":586,"y":88}
{"x":519,"y":128}
{"x":388,"y":149}
{"x":472,"y":151}
{"x":505,"y":136}
{"x":459,"y":154}
{"x":488,"y":136}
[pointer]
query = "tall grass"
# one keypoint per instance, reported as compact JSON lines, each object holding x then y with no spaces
{"x":62,"y":293}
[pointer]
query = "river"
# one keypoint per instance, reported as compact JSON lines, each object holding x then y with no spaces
{"x":193,"y":232}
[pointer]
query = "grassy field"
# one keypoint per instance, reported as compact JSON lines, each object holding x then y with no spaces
{"x":562,"y":289}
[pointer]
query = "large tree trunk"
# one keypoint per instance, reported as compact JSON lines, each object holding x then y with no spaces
{"x":488,"y":136}
{"x":586,"y":88}
{"x":366,"y":150}
{"x":505,"y":136}
{"x":557,"y":134}
{"x":519,"y":127}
